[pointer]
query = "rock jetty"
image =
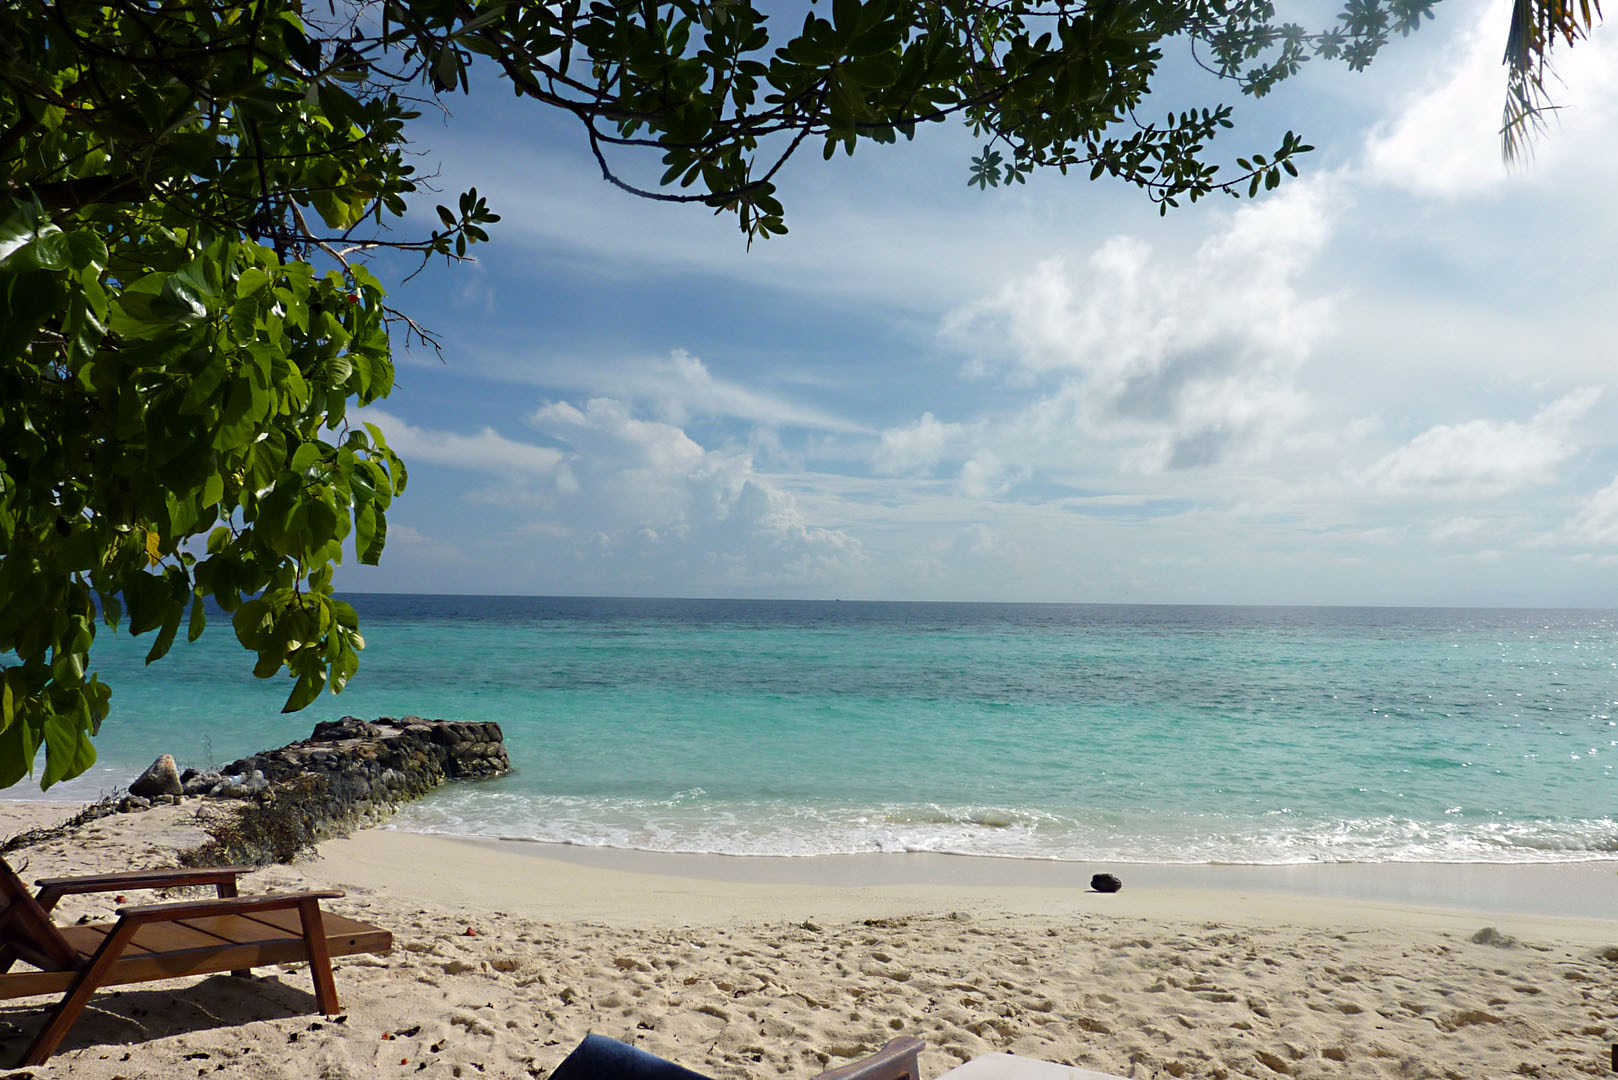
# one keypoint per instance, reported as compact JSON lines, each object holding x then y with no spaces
{"x":349,"y":772}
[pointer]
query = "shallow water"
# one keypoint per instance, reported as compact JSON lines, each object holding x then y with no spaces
{"x":1195,"y":734}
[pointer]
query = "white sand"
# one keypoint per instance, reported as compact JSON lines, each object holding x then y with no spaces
{"x":761,"y":968}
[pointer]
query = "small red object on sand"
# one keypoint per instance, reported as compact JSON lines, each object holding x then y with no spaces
{"x":387,"y":1036}
{"x":120,"y":899}
{"x":404,"y":1061}
{"x":471,"y":931}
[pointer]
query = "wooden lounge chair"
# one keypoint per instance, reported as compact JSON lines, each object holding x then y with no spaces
{"x":164,"y":941}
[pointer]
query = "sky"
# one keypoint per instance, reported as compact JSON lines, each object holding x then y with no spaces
{"x":1390,"y":381}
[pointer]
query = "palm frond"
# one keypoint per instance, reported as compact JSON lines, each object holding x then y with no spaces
{"x":1536,"y":28}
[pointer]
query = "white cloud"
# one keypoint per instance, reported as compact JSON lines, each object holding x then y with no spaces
{"x":1456,"y":530}
{"x":483,"y":451}
{"x":677,"y":387}
{"x":1130,"y":313}
{"x":1483,"y":459}
{"x":985,"y":476}
{"x":1175,"y":362}
{"x":659,"y":507}
{"x":976,"y":551}
{"x":1596,"y":523}
{"x":917,"y":447}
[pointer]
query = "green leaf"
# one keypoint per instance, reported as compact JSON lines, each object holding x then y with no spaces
{"x":305,"y":690}
{"x":147,"y":598}
{"x":370,"y":534}
{"x":252,"y":281}
{"x":165,"y":636}
{"x":199,"y":620}
{"x":19,"y":744}
{"x":67,"y":746}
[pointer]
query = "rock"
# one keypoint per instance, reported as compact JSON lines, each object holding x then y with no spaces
{"x":1490,"y":936}
{"x":130,"y":804}
{"x":347,"y":772}
{"x":349,"y":727}
{"x":195,"y":782}
{"x":1106,"y":883}
{"x":243,"y":786}
{"x":162,"y":777}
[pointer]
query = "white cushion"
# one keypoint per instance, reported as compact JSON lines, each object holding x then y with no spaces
{"x":1012,"y":1067}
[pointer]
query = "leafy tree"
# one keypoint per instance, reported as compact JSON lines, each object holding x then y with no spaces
{"x":194,"y":187}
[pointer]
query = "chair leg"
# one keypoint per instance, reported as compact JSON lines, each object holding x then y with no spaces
{"x":314,"y":941}
{"x":225,"y":890}
{"x":78,"y":995}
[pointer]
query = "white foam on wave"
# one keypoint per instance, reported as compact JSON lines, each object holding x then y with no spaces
{"x":689,"y":822}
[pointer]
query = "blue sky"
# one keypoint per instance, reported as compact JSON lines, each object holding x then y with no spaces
{"x":1387,"y":382}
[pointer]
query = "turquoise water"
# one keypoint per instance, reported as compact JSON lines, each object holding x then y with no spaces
{"x":1197,"y":734}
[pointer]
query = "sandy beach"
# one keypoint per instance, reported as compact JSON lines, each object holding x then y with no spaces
{"x":784,"y":967}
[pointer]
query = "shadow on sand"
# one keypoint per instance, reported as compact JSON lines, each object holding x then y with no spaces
{"x":124,"y":1018}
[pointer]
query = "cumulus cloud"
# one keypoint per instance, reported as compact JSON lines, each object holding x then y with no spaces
{"x":985,"y":476}
{"x":916,"y":447}
{"x":1183,"y":362}
{"x":1483,"y":459}
{"x":658,"y":505}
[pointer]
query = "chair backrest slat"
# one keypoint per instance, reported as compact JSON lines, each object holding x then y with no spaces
{"x":27,"y":930}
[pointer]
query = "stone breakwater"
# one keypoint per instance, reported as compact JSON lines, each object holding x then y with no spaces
{"x":348,"y":773}
{"x":386,"y":760}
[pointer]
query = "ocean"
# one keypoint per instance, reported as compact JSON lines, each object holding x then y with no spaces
{"x":1110,"y":733}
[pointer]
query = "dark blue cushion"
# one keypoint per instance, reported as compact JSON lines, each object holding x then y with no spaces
{"x":601,"y":1058}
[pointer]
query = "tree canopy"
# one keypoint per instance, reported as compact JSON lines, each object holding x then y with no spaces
{"x":195,"y":187}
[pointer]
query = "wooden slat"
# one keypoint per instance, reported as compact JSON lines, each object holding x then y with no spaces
{"x":143,"y":879}
{"x":281,"y":942}
{"x":206,"y":961}
{"x":365,"y":937}
{"x":173,"y":937}
{"x":236,"y":929}
{"x":85,"y":940}
{"x":337,"y":927}
{"x":26,"y":952}
{"x":16,"y":984}
{"x":231,"y":905}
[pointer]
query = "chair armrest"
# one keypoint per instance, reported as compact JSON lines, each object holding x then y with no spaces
{"x":141,"y":879}
{"x":232,"y":905}
{"x":895,"y":1061}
